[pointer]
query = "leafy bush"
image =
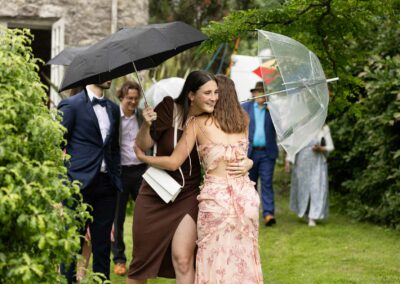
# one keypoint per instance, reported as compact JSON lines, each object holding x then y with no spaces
{"x":37,"y":233}
{"x":370,"y":147}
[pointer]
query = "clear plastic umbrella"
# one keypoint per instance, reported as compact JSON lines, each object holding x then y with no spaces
{"x":166,"y":87}
{"x":296,"y":87}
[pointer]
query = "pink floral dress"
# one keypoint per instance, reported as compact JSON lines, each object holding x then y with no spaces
{"x":227,"y":224}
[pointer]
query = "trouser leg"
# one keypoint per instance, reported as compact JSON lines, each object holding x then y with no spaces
{"x":131,"y":182}
{"x":266,"y":172}
{"x":118,"y":246}
{"x":103,"y":201}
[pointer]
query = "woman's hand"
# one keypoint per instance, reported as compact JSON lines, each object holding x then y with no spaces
{"x":287,"y":166}
{"x":239,"y":168}
{"x":319,"y":149}
{"x":149,"y":115}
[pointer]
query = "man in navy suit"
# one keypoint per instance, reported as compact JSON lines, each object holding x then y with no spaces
{"x":92,"y":123}
{"x":263,"y":150}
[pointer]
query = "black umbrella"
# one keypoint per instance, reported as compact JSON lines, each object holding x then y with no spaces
{"x":130,"y":50}
{"x":66,"y":56}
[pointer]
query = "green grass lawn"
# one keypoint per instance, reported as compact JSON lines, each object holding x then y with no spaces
{"x":338,"y":250}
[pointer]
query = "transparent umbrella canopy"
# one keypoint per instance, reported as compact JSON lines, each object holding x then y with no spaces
{"x":296,"y":87}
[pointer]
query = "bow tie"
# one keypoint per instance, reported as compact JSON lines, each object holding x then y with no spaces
{"x":101,"y":102}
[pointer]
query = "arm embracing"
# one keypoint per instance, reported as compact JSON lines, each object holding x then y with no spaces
{"x":178,"y":157}
{"x":240,"y":167}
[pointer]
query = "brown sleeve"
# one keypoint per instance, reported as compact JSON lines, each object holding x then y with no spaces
{"x":163,"y":122}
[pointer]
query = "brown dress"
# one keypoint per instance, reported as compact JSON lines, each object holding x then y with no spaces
{"x":155,"y":222}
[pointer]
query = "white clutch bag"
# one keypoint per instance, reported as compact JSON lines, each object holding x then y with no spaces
{"x":160,"y":181}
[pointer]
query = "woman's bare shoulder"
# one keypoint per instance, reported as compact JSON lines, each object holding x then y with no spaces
{"x":204,"y":119}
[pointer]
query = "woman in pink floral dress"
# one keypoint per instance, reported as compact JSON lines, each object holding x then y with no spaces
{"x":227,"y":225}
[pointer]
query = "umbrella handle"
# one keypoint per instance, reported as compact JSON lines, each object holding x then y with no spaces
{"x":140,"y":83}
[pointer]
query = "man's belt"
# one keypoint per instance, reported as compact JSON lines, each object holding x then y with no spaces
{"x":260,"y":148}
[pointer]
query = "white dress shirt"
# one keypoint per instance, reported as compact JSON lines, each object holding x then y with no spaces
{"x":129,"y":130}
{"x":104,"y":122}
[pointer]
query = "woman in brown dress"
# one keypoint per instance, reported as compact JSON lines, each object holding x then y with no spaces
{"x":164,"y":235}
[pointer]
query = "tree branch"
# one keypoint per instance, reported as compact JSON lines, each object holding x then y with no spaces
{"x":322,"y":34}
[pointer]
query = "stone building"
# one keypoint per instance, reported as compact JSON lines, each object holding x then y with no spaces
{"x":56,"y":24}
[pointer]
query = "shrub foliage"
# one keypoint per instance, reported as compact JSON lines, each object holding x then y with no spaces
{"x":37,"y":233}
{"x":369,"y":166}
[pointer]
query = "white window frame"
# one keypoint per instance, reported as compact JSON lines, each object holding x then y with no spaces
{"x":57,"y":71}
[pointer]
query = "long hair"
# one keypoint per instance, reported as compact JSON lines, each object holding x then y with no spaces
{"x":126,"y":86}
{"x":228,"y":113}
{"x":193,"y":82}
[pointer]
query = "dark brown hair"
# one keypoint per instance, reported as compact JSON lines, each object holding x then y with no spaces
{"x":126,"y":86}
{"x":228,"y":113}
{"x":193,"y":82}
{"x":74,"y":91}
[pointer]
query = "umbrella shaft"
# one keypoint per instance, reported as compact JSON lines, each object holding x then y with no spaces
{"x":290,"y":89}
{"x":140,"y":83}
{"x":273,"y":93}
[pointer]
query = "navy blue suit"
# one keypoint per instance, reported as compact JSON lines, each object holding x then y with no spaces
{"x":87,"y":149}
{"x":84,"y":142}
{"x":263,"y":159}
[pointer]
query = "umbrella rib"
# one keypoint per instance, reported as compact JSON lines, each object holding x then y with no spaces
{"x":314,"y":96}
{"x":310,"y":54}
{"x":292,"y":89}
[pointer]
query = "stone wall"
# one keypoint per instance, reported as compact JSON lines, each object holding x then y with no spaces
{"x":86,"y":21}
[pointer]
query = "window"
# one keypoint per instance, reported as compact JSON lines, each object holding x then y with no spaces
{"x":48,"y":42}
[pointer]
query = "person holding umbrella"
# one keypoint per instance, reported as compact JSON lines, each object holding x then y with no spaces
{"x":309,"y":179}
{"x":164,"y":234}
{"x":263,"y":149}
{"x":92,"y":123}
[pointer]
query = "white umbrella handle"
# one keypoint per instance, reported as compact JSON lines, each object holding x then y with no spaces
{"x":332,"y":79}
